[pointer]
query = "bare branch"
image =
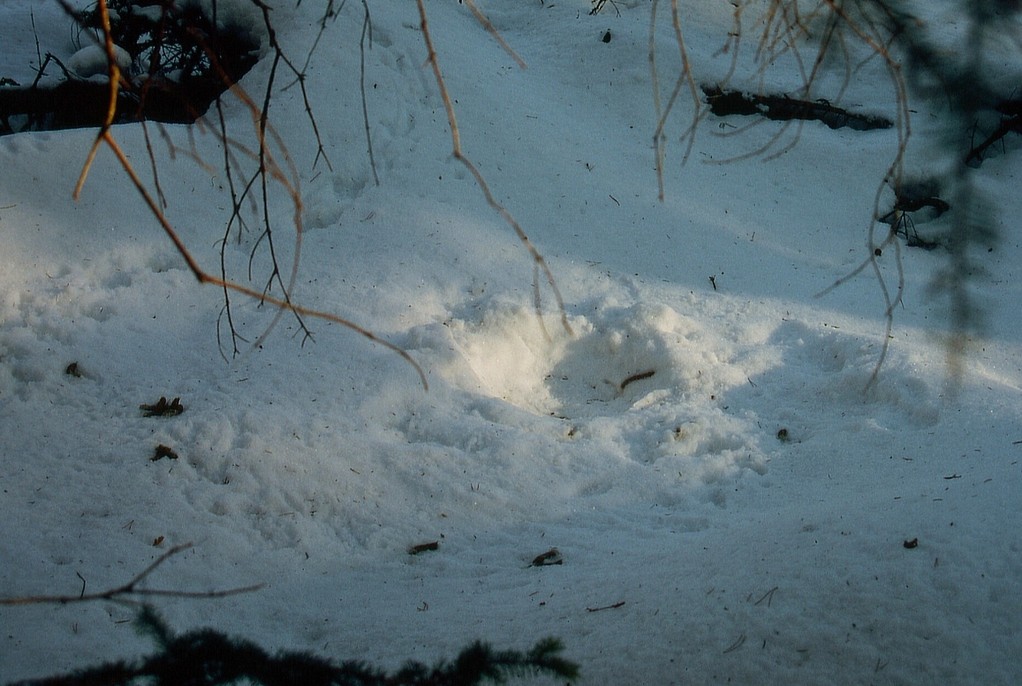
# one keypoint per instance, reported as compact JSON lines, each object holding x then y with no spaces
{"x":784,"y":30}
{"x":538,"y":260}
{"x":488,"y":25}
{"x":130,"y":592}
{"x":367,"y":32}
{"x":270,"y":167}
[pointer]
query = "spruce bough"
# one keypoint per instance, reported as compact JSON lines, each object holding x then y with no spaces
{"x":206,"y":657}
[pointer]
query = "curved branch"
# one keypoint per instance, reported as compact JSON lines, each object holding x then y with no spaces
{"x":452,"y":121}
{"x":268,"y":165}
{"x":130,"y":592}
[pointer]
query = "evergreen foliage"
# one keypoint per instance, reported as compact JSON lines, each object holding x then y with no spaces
{"x":206,"y":657}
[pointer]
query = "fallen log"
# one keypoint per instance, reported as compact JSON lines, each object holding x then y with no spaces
{"x":783,"y":108}
{"x":76,"y":103}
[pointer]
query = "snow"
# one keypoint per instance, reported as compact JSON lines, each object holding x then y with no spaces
{"x":91,"y":62}
{"x":748,"y":502}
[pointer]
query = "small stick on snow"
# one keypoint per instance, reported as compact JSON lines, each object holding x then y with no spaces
{"x":739,"y":642}
{"x":768,"y":597}
{"x":636,"y":377}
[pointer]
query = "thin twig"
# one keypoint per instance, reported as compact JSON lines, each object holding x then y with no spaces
{"x":738,"y":643}
{"x":684,"y":78}
{"x":768,"y":597}
{"x":130,"y":592}
{"x":452,"y":121}
{"x":367,"y":32}
{"x":268,"y":168}
{"x":492,"y":30}
{"x":204,"y":277}
{"x":783,"y":29}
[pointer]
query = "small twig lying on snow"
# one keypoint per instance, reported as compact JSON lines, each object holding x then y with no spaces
{"x":768,"y":597}
{"x":636,"y":377}
{"x":550,"y":557}
{"x":739,"y":642}
{"x":130,"y":592}
{"x":615,"y":606}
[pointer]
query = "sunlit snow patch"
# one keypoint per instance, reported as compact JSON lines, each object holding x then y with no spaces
{"x":643,"y":377}
{"x":617,"y":360}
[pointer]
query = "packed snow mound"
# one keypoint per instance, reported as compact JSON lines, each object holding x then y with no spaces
{"x":620,"y":360}
{"x":91,"y":62}
{"x":700,"y":396}
{"x":643,"y":378}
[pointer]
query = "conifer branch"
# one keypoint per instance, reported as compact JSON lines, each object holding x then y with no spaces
{"x":206,"y":657}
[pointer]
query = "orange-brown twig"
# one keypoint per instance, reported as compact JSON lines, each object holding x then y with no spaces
{"x":268,"y":166}
{"x":452,"y":121}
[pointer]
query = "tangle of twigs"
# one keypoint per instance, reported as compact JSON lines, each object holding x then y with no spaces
{"x":807,"y":38}
{"x":806,"y":35}
{"x":276,"y":168}
{"x":273,"y":167}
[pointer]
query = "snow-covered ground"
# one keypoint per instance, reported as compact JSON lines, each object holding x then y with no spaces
{"x":731,"y":503}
